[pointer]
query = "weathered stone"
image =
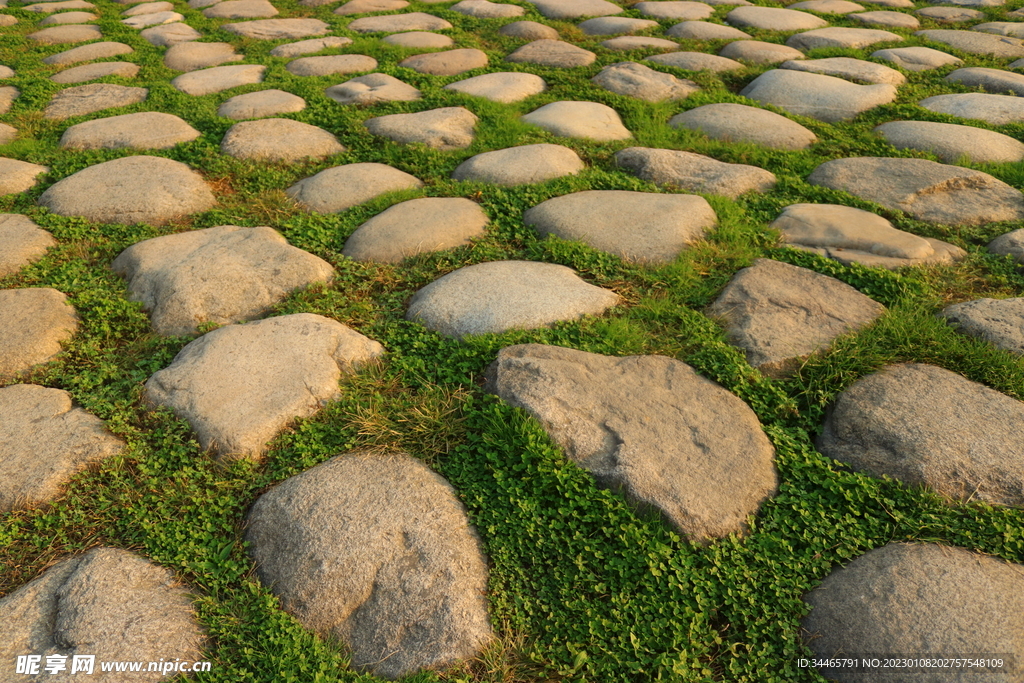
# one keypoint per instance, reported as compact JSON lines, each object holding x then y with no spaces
{"x":87,"y":99}
{"x":331,"y":64}
{"x":950,"y":142}
{"x":395,"y":23}
{"x":372,"y":88}
{"x":993,"y":80}
{"x":257,"y":105}
{"x":8,"y":94}
{"x":848,"y":68}
{"x":170,"y":34}
{"x":7,"y":134}
{"x":589,"y":120}
{"x":191,"y":56}
{"x":153,"y":19}
{"x":47,"y":7}
{"x":758,"y":52}
{"x":304,"y":47}
{"x":977,"y":43}
{"x":696,"y":61}
{"x":67,"y":18}
{"x":375,"y":552}
{"x":6,"y":72}
{"x":694,"y":172}
{"x":87,"y":53}
{"x":1001,"y":28}
{"x":240,"y":385}
{"x":705,"y":30}
{"x":916,"y":58}
{"x":530,"y":30}
{"x":70,"y":33}
{"x":574,"y":9}
{"x":416,"y":227}
{"x":18,"y":176}
{"x":501,"y":86}
{"x":445,"y":128}
{"x":822,"y":97}
{"x":552,"y":53}
{"x":148,"y":8}
{"x":1010,"y":244}
{"x":890,"y":19}
{"x":418,"y":40}
{"x":639,"y":43}
{"x":609,"y":26}
{"x":827,"y":6}
{"x":648,"y":427}
{"x":240,"y":9}
{"x":675,"y":9}
{"x":998,"y":110}
{"x":279,"y":29}
{"x":487,"y":10}
{"x":644,"y":83}
{"x":33,"y":323}
{"x":836,"y":36}
{"x":740,"y":123}
{"x":949,"y":15}
{"x":774,"y":19}
{"x":367,"y":6}
{"x":8,"y":20}
{"x":520,"y":165}
{"x":90,"y":72}
{"x":145,"y":130}
{"x":997,"y":321}
{"x":343,"y":187}
{"x":218,"y":78}
{"x":21,"y":242}
{"x":446,"y":63}
{"x":278,"y":140}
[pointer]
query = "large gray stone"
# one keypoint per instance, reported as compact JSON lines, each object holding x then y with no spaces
{"x":426,"y":40}
{"x":361,"y":6}
{"x":1001,"y":28}
{"x":827,"y":6}
{"x":90,"y":72}
{"x":22,"y":242}
{"x":279,"y":29}
{"x":240,"y":385}
{"x":484,"y":9}
{"x":153,"y":19}
{"x":225,"y":274}
{"x":552,"y":53}
{"x":950,"y":142}
{"x":87,"y":53}
{"x":343,"y":187}
{"x":305,"y":47}
{"x":705,"y":30}
{"x":997,"y":321}
{"x":395,"y":23}
{"x":66,"y":18}
{"x":416,"y":227}
{"x":520,"y":165}
{"x":145,"y":130}
{"x":759,"y":52}
{"x":136,"y":189}
{"x":851,"y":69}
{"x":696,"y":61}
{"x":774,"y":19}
{"x":18,"y":176}
{"x":740,"y":123}
{"x":375,"y":552}
{"x":836,"y":36}
{"x":626,"y":43}
{"x":589,"y":120}
{"x":445,"y":128}
{"x":648,"y":427}
{"x":949,"y":15}
{"x":574,"y":9}
{"x":191,"y":56}
{"x":446,"y":63}
{"x":644,"y":83}
{"x":694,"y":172}
{"x":261,"y":104}
{"x":998,"y":110}
{"x":240,"y":9}
{"x":501,"y":86}
{"x":822,"y":97}
{"x":675,"y":9}
{"x":371,"y":89}
{"x":71,"y":33}
{"x":93,"y":97}
{"x":218,"y":78}
{"x":504,"y":295}
{"x":530,"y":30}
{"x":993,"y":80}
{"x":278,"y":140}
{"x":47,"y":7}
{"x":610,"y":26}
{"x":328,"y":65}
{"x":888,"y":19}
{"x":33,"y":323}
{"x":977,"y":43}
{"x":1009,"y":244}
{"x":170,"y":34}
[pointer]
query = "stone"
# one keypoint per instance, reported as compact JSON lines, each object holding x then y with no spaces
{"x":758,"y":52}
{"x":240,"y":9}
{"x":154,"y":19}
{"x":917,"y":598}
{"x":680,"y":10}
{"x":145,"y":130}
{"x":192,"y":56}
{"x":241,"y":385}
{"x":574,"y":9}
{"x":949,"y":15}
{"x":993,"y":80}
{"x":7,"y":134}
{"x":47,"y":7}
{"x":1010,"y":244}
{"x":827,"y":6}
{"x":416,"y":227}
{"x":8,"y":20}
{"x":1001,"y":28}
{"x":851,"y":235}
{"x":916,"y":58}
{"x":342,"y":187}
{"x":218,"y":78}
{"x":521,"y":165}
{"x":18,"y":176}
{"x":33,"y":324}
{"x":87,"y":53}
{"x":642,"y":82}
{"x":305,"y":47}
{"x":418,"y":39}
{"x":497,"y":296}
{"x":649,"y":428}
{"x":258,"y":105}
{"x":950,"y":142}
{"x":626,"y":43}
{"x":898,"y":4}
{"x":170,"y":34}
{"x":8,"y":94}
{"x":87,"y":99}
{"x":774,"y":19}
{"x":589,"y":120}
{"x":108,"y":602}
{"x":448,"y":63}
{"x":529,"y":30}
{"x":705,"y":30}
{"x":70,"y":33}
{"x":90,"y":72}
{"x":21,"y":242}
{"x":608,"y":26}
{"x":780,"y":314}
{"x":367,"y":6}
{"x":849,"y":69}
{"x":740,"y":123}
{"x":696,"y":61}
{"x":371,"y":89}
{"x":821,"y":97}
{"x":977,"y":43}
{"x":395,"y":23}
{"x":331,"y":64}
{"x":1000,"y":322}
{"x":279,"y":29}
{"x":926,"y":426}
{"x":998,"y":110}
{"x":44,"y":441}
{"x":836,"y":36}
{"x":375,"y":552}
{"x":135,"y":189}
{"x":552,"y":53}
{"x":278,"y":140}
{"x":890,"y":19}
{"x":660,"y":226}
{"x":68,"y":18}
{"x":444,"y":128}
{"x":6,"y":72}
{"x":501,"y":86}
{"x":487,"y":10}
{"x":148,"y":8}
{"x":927,"y":190}
{"x":225,"y":274}
{"x":694,"y":172}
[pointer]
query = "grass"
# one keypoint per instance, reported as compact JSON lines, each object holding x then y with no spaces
{"x":581,"y":587}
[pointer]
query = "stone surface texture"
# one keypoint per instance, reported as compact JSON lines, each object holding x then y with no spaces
{"x":415,"y":227}
{"x":997,"y":321}
{"x":694,"y":172}
{"x":33,"y":324}
{"x":22,"y":242}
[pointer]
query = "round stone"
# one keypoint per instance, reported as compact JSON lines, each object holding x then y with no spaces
{"x":696,"y":61}
{"x":529,"y":30}
{"x":71,"y":33}
{"x":679,"y":10}
{"x":87,"y":99}
{"x":18,"y":176}
{"x":372,"y":88}
{"x":444,"y":128}
{"x":278,"y":140}
{"x":705,"y":30}
{"x":396,"y":23}
{"x":418,"y":39}
{"x":1000,"y":322}
{"x":774,"y":19}
{"x":891,"y":19}
{"x":822,"y":97}
{"x":191,"y":56}
{"x":950,"y":142}
{"x":642,"y":82}
{"x":416,"y":227}
{"x":145,"y":130}
{"x":343,"y":187}
{"x":90,"y":72}
{"x":998,"y":110}
{"x":520,"y":165}
{"x":856,"y":70}
{"x":626,"y":43}
{"x":21,"y":242}
{"x":448,"y":63}
{"x":758,"y":52}
{"x":609,"y":26}
{"x":279,"y":29}
{"x":258,"y":105}
{"x":88,"y":53}
{"x":331,"y":64}
{"x":487,"y":10}
{"x":552,"y":53}
{"x":916,"y":58}
{"x":304,"y":47}
{"x":738,"y":122}
{"x":218,"y":78}
{"x":33,"y":324}
{"x":590,"y":120}
{"x":501,"y":86}
{"x":835,"y":36}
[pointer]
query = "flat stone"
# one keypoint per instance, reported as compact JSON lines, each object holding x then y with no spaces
{"x":927,"y":190}
{"x":694,"y":172}
{"x":951,"y":142}
{"x":200,"y":4}
{"x":279,"y":29}
{"x":368,"y":6}
{"x":758,"y":52}
{"x":371,"y":89}
{"x":487,"y":10}
{"x":90,"y":72}
{"x":916,"y":58}
{"x":33,"y":324}
{"x":444,"y":128}
{"x":148,"y":8}
{"x":851,"y":235}
{"x":47,"y":7}
{"x":154,"y":19}
{"x":849,"y":69}
{"x":949,"y":15}
{"x":278,"y":140}
{"x":192,"y":56}
{"x":395,"y":23}
{"x":661,"y":226}
{"x":70,"y":33}
{"x":1002,"y":28}
{"x":609,"y":26}
{"x":305,"y":47}
{"x":521,"y":165}
{"x":835,"y":36}
{"x":240,"y":9}
{"x":446,"y":63}
{"x":1010,"y":244}
{"x":993,"y":80}
{"x":589,"y":120}
{"x":530,"y":30}
{"x":898,"y":4}
{"x":331,"y":64}
{"x":6,"y":72}
{"x":21,"y":242}
{"x":774,"y":19}
{"x":497,"y":296}
{"x":889,"y":19}
{"x":705,"y":464}
{"x":417,"y":226}
{"x":917,"y":598}
{"x":1000,"y":322}
{"x":342,"y":187}
{"x":18,"y":176}
{"x":145,"y":130}
{"x":998,"y":110}
{"x":136,"y":189}
{"x":923,"y":425}
{"x":740,"y":123}
{"x":44,"y":441}
{"x":258,"y":105}
{"x":170,"y":34}
{"x":501,"y":86}
{"x":218,"y":78}
{"x":552,"y":53}
{"x":626,"y":43}
{"x":574,"y":9}
{"x":675,"y":9}
{"x":976,"y":43}
{"x":974,"y":3}
{"x":418,"y":39}
{"x":8,"y":20}
{"x":696,"y":61}
{"x":67,"y":18}
{"x":821,"y":97}
{"x":87,"y":53}
{"x":239,"y":386}
{"x":827,"y":6}
{"x":87,"y":99}
{"x":7,"y":134}
{"x":642,"y":82}
{"x":8,"y":94}
{"x":339,"y":543}
{"x":705,"y":30}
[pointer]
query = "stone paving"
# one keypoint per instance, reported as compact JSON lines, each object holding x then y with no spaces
{"x":377,"y":551}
